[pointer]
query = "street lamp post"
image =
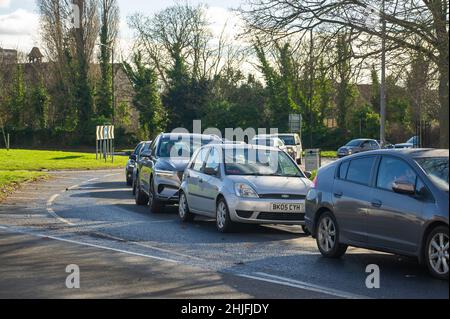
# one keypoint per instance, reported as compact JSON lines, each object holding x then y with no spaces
{"x":383,"y":79}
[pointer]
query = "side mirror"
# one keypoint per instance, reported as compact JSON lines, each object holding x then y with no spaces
{"x":405,"y":188}
{"x":210,"y":171}
{"x":128,"y":153}
{"x":133,"y":157}
{"x":308,"y":174}
{"x":146,"y":154}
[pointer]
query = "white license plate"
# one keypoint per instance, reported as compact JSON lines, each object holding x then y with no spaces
{"x":287,"y":207}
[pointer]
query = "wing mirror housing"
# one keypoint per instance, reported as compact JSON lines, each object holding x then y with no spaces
{"x":133,"y":157}
{"x":210,"y":171}
{"x":405,"y":188}
{"x":308,"y":174}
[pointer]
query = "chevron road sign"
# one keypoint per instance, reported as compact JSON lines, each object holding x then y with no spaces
{"x":104,"y":142}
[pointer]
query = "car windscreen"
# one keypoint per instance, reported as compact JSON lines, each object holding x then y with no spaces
{"x":180,"y":147}
{"x":254,"y":162}
{"x":263,"y":142}
{"x":437,"y":169}
{"x":354,"y":143}
{"x":287,"y":139}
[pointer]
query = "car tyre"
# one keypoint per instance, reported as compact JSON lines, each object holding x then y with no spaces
{"x":224,"y":223}
{"x":155,"y":205}
{"x":436,"y":252}
{"x":306,"y":230}
{"x":183,"y":209}
{"x":328,"y":237}
{"x":140,"y":197}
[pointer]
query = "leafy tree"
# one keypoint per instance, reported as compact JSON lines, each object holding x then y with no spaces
{"x":17,"y":102}
{"x":39,"y":101}
{"x":152,"y":115}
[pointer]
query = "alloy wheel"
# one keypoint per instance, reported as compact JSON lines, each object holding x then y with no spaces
{"x":438,"y":253}
{"x":182,"y":206}
{"x":327,"y":234}
{"x":221,"y":214}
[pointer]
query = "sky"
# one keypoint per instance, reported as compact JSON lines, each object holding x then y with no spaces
{"x":19,"y":20}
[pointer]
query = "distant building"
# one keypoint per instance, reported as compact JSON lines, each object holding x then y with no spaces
{"x":8,"y":56}
{"x":35,"y":56}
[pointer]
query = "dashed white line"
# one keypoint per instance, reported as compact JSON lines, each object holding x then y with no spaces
{"x":71,"y":241}
{"x":301,"y":285}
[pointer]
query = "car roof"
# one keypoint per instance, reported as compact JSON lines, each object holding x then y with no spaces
{"x":409,"y":152}
{"x":244,"y":146}
{"x":195,"y":135}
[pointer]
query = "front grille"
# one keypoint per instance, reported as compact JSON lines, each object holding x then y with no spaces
{"x":244,"y":213}
{"x":282,"y":196}
{"x":281,"y":216}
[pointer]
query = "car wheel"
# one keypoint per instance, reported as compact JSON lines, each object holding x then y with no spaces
{"x":155,"y":205}
{"x":328,"y":237}
{"x":134,"y":187}
{"x":140,"y":197}
{"x":436,"y":252}
{"x":306,"y":230}
{"x":183,"y":209}
{"x":129,"y":180}
{"x":223,"y":221}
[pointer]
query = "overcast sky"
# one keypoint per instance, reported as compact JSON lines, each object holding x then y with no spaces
{"x":19,"y":19}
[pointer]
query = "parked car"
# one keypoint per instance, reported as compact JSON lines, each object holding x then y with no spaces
{"x":413,"y":142}
{"x":293,"y":144}
{"x":394,"y":201}
{"x":131,"y":163}
{"x":357,"y":146}
{"x":161,"y":167}
{"x":269,"y":141}
{"x":243,"y":184}
{"x":144,"y":148}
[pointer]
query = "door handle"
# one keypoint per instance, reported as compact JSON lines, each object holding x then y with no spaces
{"x":338,"y":194}
{"x":376,"y":203}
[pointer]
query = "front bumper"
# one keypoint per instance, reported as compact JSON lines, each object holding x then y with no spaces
{"x":167,"y":188}
{"x":258,"y":211}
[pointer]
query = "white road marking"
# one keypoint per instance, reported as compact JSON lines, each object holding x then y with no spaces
{"x":110,"y":175}
{"x":302,"y":285}
{"x":71,"y":241}
{"x":167,"y":251}
{"x":52,"y":212}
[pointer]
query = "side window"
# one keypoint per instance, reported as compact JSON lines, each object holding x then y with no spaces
{"x":342,"y":174}
{"x":393,"y":169}
{"x":197,"y":165}
{"x":213,"y":159}
{"x":137,"y":149}
{"x":374,"y":144}
{"x":360,"y":169}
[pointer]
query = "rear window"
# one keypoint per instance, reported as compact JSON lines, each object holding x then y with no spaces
{"x":360,"y":169}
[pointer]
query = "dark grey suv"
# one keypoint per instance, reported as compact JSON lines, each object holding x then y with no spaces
{"x":394,"y":201}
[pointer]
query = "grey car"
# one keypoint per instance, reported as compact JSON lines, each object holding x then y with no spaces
{"x":394,"y":201}
{"x":357,"y":146}
{"x":243,"y":184}
{"x":161,"y":166}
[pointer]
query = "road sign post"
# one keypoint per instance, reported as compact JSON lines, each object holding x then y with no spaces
{"x":104,"y":142}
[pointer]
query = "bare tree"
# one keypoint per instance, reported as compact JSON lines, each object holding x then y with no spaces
{"x":407,"y":21}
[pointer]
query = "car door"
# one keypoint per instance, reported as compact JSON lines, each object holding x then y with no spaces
{"x":194,"y":180}
{"x":212,"y":182}
{"x":394,"y":220}
{"x":351,"y":197}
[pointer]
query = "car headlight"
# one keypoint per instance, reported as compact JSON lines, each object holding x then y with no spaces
{"x":162,"y":173}
{"x":244,"y":190}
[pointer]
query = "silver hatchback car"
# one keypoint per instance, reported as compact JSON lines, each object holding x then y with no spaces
{"x":240,"y":183}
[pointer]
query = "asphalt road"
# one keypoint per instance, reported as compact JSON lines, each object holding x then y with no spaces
{"x":89,"y":219}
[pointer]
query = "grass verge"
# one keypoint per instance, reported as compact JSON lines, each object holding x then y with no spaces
{"x":32,"y":160}
{"x":11,"y":180}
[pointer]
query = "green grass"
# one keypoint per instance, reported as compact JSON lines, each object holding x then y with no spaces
{"x":331,"y":154}
{"x":10,"y":180}
{"x":32,"y":160}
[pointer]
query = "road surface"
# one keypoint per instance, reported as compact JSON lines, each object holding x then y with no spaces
{"x":89,"y":219}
